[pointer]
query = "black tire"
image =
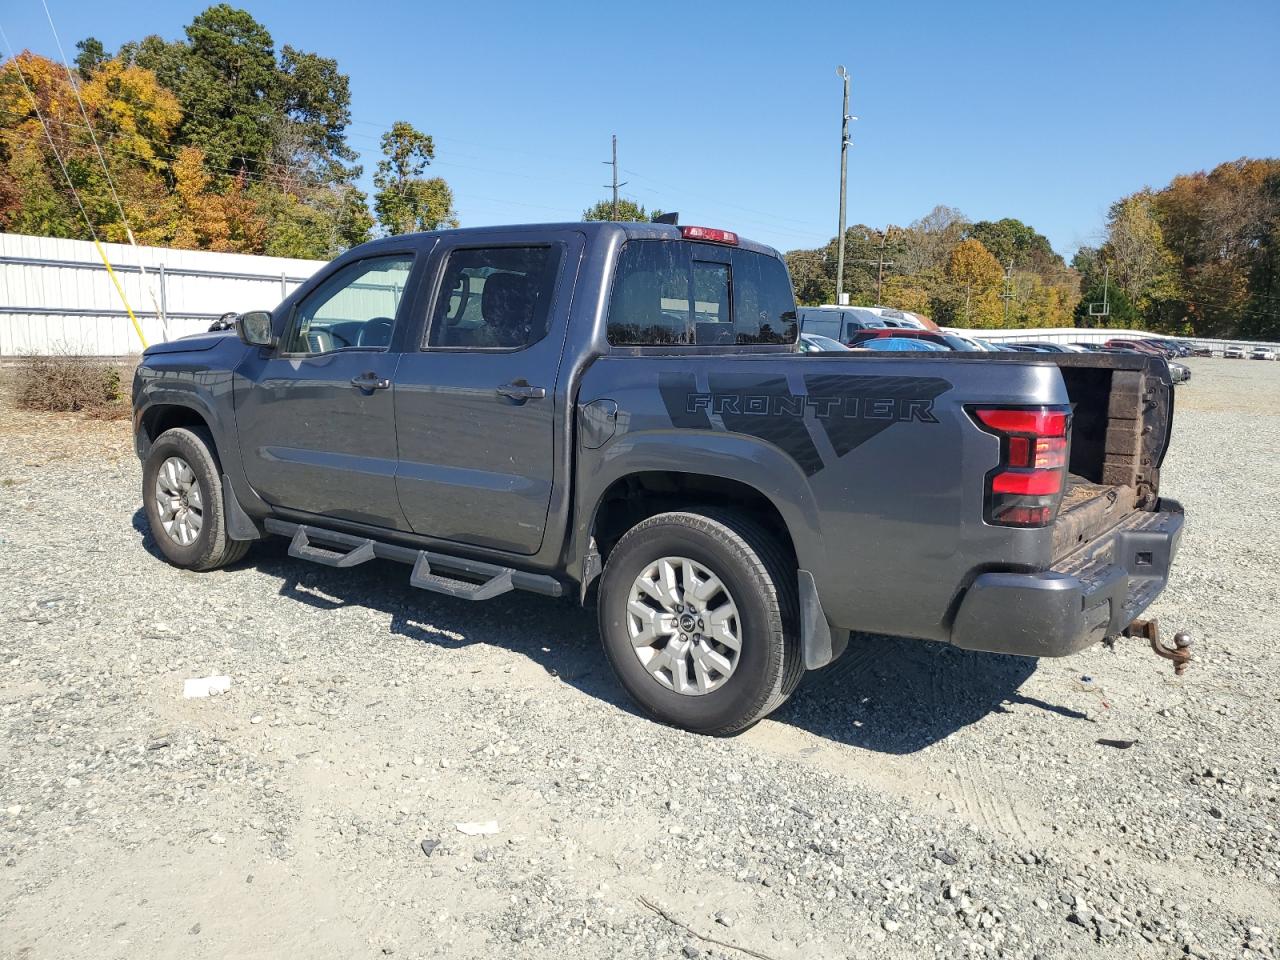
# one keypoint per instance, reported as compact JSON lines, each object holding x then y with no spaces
{"x":762,"y":581}
{"x":212,"y":548}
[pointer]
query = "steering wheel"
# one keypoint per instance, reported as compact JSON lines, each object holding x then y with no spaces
{"x":375,"y":333}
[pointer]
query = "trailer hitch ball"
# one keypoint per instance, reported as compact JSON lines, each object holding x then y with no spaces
{"x":1179,"y":653}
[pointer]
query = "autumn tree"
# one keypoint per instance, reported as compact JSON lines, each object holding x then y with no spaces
{"x":1011,"y":239}
{"x":976,"y":278}
{"x":269,"y":133}
{"x":407,"y":201}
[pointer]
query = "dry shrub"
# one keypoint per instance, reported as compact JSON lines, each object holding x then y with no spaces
{"x":71,"y":384}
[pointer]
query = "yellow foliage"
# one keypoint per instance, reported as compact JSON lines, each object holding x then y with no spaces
{"x":972,"y":265}
{"x":131,"y":111}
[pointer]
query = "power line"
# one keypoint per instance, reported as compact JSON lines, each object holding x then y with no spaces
{"x":111,"y":184}
{"x":67,"y":176}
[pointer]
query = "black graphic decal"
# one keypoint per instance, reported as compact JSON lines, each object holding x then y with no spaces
{"x":678,"y":391}
{"x":873,"y":404}
{"x":849,"y":409}
{"x":787,"y":430}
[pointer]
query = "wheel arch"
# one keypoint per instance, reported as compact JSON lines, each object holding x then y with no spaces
{"x":185,"y":410}
{"x":634,"y":497}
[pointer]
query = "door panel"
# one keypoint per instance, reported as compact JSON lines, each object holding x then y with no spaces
{"x":476,"y":408}
{"x":316,"y":419}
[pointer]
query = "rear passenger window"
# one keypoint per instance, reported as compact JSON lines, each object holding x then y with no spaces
{"x":664,"y":295}
{"x":495,"y":298}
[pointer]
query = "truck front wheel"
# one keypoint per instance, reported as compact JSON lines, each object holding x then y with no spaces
{"x":698,"y":614}
{"x":182,"y":495}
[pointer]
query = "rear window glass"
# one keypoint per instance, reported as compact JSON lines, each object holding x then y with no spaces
{"x":665,"y":294}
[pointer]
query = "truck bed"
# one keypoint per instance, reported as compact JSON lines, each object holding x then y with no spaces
{"x":1122,"y":412}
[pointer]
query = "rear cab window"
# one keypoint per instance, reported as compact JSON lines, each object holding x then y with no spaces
{"x":687,"y":294}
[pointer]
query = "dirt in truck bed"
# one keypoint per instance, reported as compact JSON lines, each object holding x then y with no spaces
{"x":912,"y":800}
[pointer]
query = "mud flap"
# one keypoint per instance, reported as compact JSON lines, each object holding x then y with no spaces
{"x":821,"y":644}
{"x":240,"y":525}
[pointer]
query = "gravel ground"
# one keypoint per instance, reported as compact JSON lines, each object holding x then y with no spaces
{"x":912,"y":800}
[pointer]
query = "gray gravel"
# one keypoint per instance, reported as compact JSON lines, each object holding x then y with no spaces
{"x":912,"y":800}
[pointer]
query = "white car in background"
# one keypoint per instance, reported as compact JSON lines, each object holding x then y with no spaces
{"x":1233,"y":353}
{"x":1262,"y":353}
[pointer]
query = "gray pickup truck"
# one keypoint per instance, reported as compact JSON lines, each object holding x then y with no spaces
{"x":619,"y":413}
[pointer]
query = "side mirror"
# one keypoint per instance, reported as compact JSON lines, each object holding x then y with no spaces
{"x":254,"y":328}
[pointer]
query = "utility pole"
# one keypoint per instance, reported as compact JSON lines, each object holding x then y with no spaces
{"x":843,"y":74}
{"x":1007,"y":295}
{"x":881,"y":263}
{"x":615,"y":184}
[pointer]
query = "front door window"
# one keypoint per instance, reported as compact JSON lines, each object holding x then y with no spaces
{"x":355,"y":309}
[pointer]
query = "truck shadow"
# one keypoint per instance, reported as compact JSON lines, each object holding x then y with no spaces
{"x":898,"y":696}
{"x":558,"y":635}
{"x":886,"y":694}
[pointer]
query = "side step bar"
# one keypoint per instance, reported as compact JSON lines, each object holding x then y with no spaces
{"x":430,"y":570}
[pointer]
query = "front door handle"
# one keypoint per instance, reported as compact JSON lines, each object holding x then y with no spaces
{"x":370,"y":381}
{"x":520,"y":391}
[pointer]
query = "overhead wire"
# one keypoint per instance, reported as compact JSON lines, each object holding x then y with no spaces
{"x":111,"y":184}
{"x":137,"y":327}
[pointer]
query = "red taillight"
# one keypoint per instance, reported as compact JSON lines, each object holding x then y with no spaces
{"x":709,"y":234}
{"x":1025,"y":490}
{"x":1041,"y":421}
{"x":1036,"y":483}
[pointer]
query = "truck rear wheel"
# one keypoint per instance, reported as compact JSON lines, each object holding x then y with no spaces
{"x":182,"y":495}
{"x":698,"y":615}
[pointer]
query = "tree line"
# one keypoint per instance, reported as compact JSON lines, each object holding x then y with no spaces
{"x":960,"y":273}
{"x":1199,"y":257}
{"x":212,"y":142}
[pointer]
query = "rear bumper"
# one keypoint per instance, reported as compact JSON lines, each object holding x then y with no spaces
{"x":1089,"y":595}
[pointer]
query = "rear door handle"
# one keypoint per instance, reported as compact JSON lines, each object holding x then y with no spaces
{"x":520,"y":390}
{"x":370,"y":381}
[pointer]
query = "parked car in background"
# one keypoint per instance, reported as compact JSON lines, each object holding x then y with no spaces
{"x":1234,"y":352}
{"x":1262,"y":353}
{"x":1142,"y":346}
{"x":1179,"y":372}
{"x":225,"y":322}
{"x":838,"y":323}
{"x":902,"y":345}
{"x":1202,"y":351}
{"x":1049,"y":347}
{"x":1169,"y":348}
{"x":815,"y":343}
{"x":949,"y":341}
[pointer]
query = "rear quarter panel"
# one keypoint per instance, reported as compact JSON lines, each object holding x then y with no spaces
{"x":872,"y":462}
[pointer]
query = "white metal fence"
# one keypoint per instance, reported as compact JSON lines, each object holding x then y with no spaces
{"x":56,"y":296}
{"x":1097,"y":335}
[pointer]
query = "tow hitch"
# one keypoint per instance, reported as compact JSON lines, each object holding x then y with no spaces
{"x":1179,"y":653}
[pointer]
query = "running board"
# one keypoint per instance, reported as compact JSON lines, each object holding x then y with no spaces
{"x":302,"y":548}
{"x":424,"y":579}
{"x":435,"y":572}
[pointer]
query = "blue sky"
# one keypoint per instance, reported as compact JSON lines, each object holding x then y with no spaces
{"x":729,"y":112}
